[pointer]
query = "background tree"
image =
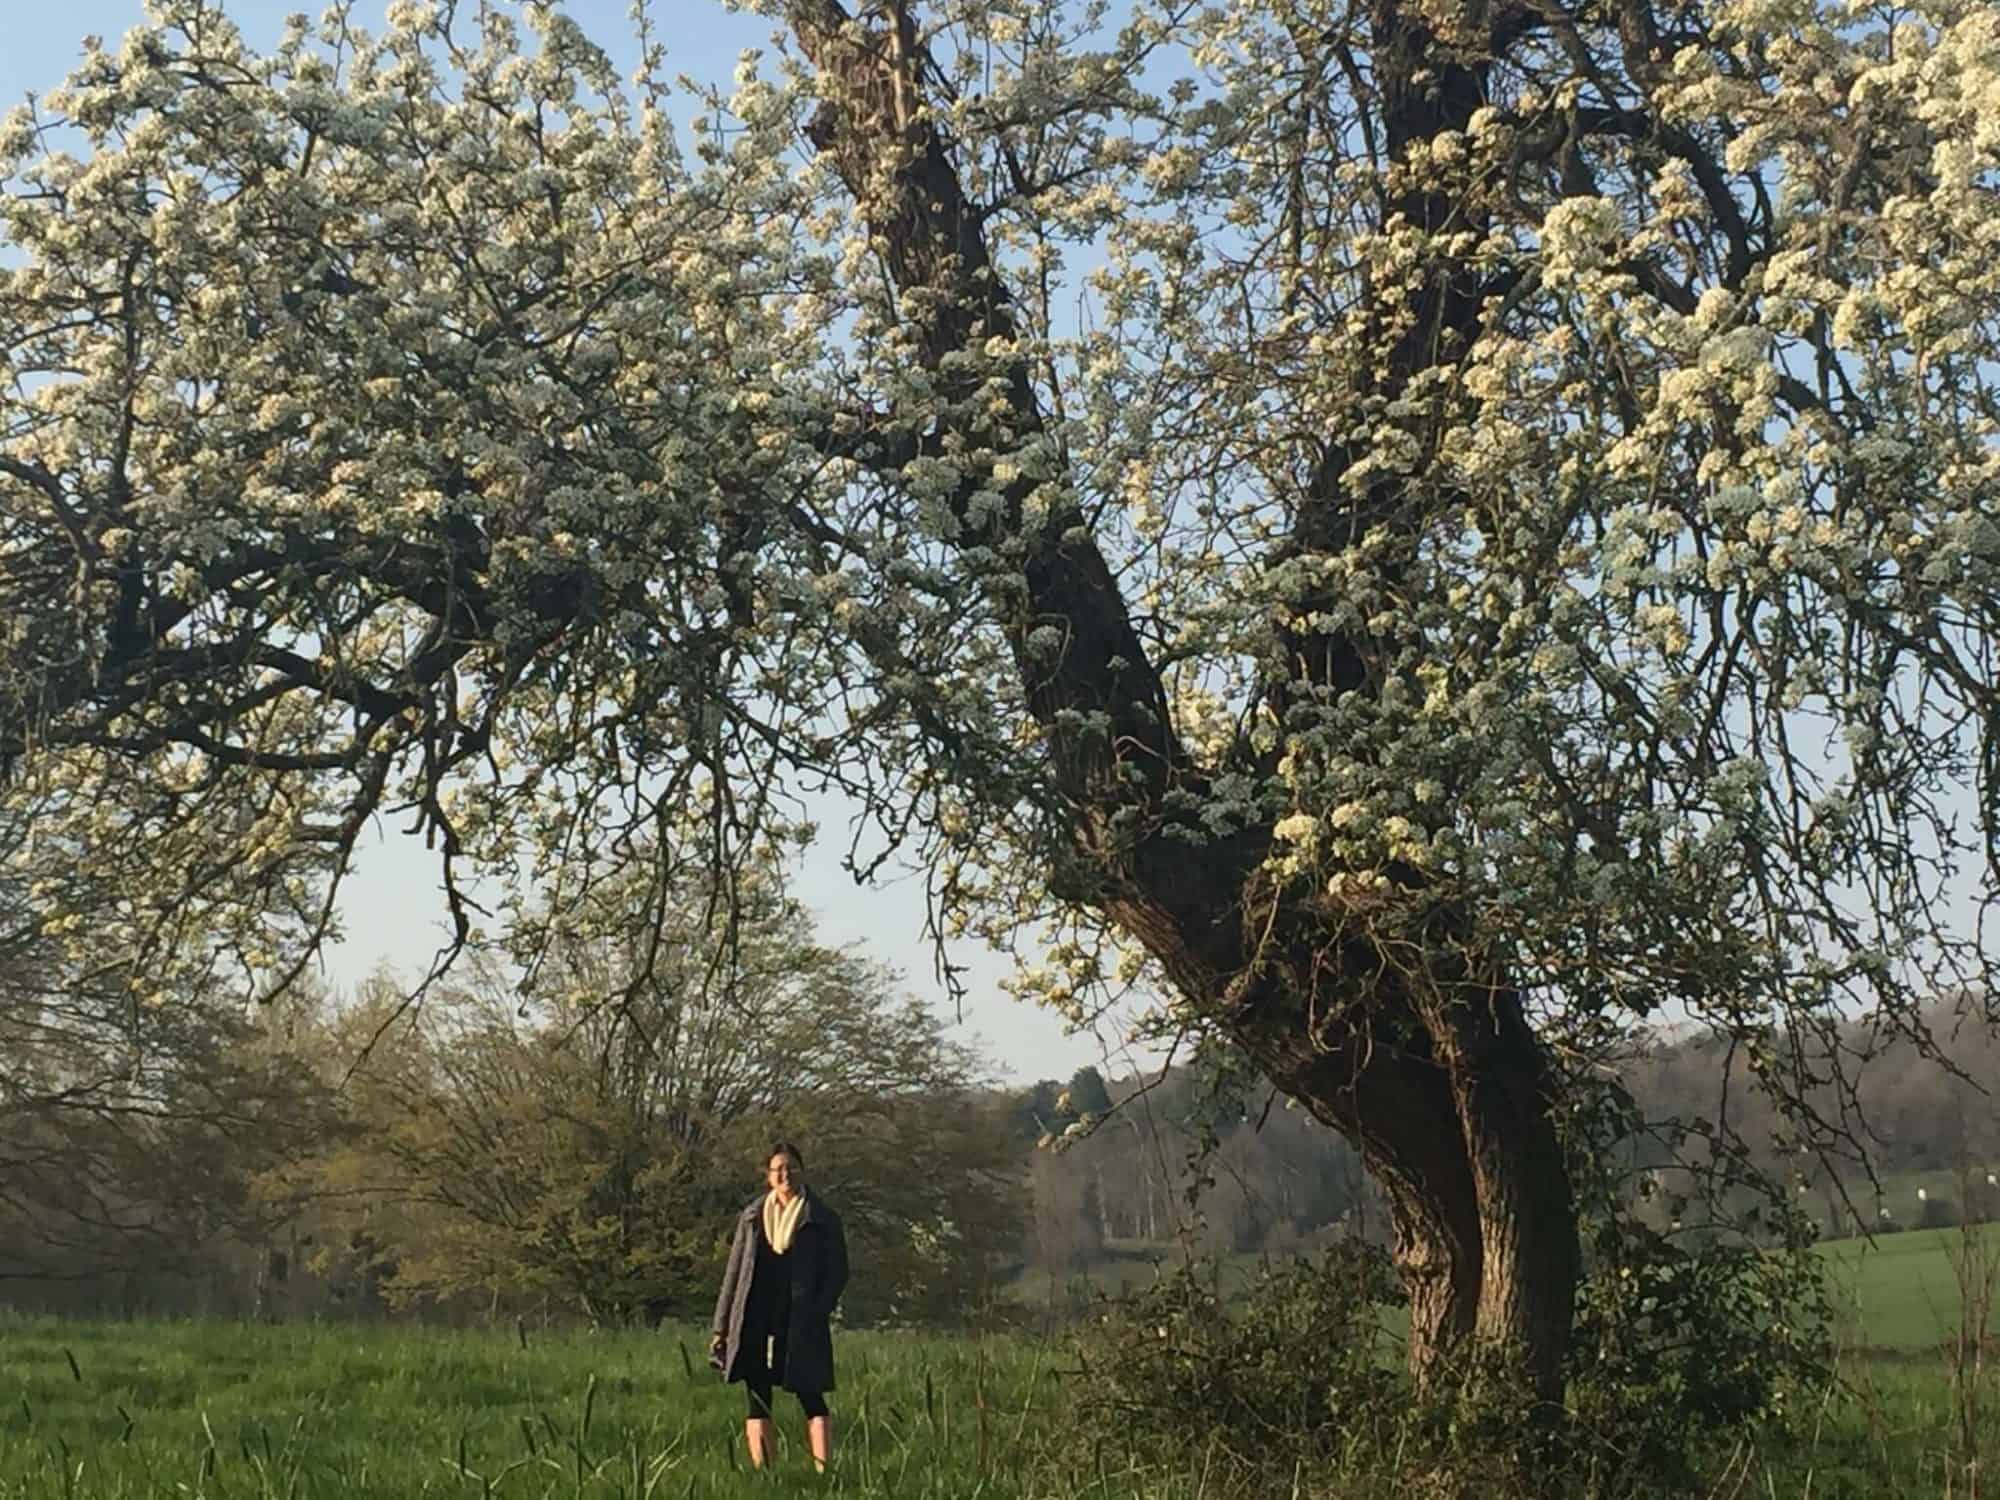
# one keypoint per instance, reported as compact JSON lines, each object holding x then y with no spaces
{"x":590,"y":1137}
{"x":1506,"y":548}
{"x":1088,"y":1096}
{"x":137,"y":1123}
{"x":1276,"y":1179}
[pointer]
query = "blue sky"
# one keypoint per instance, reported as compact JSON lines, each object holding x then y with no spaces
{"x":39,"y":42}
{"x":393,"y":912}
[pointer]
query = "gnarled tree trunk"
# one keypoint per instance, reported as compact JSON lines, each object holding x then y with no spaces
{"x":1446,"y":1094}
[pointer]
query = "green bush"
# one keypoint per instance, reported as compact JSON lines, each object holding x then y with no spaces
{"x":1675,"y":1341}
{"x":1292,"y":1368}
{"x":1679,"y":1343}
{"x":1937,"y":1213}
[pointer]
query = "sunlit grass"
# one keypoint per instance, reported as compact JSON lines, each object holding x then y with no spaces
{"x":99,"y":1409}
{"x":1900,"y":1291}
{"x":106,"y":1411}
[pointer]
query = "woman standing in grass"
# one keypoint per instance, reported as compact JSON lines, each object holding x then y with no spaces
{"x":786,"y":1270}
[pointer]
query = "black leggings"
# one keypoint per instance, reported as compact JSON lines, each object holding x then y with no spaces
{"x":760,"y":1392}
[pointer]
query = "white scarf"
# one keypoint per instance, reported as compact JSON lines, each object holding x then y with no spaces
{"x":782,"y":1220}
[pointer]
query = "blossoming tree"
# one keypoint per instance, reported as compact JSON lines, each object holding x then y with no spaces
{"x":1423,"y":529}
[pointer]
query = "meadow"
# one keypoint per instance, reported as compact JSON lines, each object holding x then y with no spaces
{"x":230,"y":1409}
{"x":97,"y":1410}
{"x":1900,"y":1292}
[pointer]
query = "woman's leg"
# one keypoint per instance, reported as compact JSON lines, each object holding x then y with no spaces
{"x":819,"y":1427}
{"x":757,"y":1421}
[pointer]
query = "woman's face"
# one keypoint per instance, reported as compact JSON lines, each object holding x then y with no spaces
{"x":784,"y":1175}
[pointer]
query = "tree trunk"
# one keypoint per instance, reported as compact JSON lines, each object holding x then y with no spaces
{"x":1485,"y":1229}
{"x":1530,"y":1259}
{"x":1461,"y":1134}
{"x":1447,"y":1101}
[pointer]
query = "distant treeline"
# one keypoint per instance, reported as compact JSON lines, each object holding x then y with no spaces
{"x":571,"y":1141}
{"x":1174,"y":1160}
{"x":485,"y":1159}
{"x":1277,"y":1180}
{"x":1910,"y":1140}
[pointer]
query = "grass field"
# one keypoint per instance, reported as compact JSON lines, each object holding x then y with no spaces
{"x":217,"y":1409}
{"x":111,"y":1411}
{"x":1901,"y":1291}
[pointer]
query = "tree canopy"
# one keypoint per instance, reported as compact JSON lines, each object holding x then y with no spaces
{"x":1421,"y":529}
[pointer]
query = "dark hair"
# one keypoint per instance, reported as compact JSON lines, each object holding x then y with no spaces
{"x":786,"y":1148}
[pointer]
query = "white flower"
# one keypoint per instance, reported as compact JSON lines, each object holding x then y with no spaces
{"x":1299,"y":828}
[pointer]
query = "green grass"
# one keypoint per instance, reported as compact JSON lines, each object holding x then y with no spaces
{"x":1888,"y":1430}
{"x":104,"y":1410}
{"x":115,"y":1411}
{"x":1900,"y":1291}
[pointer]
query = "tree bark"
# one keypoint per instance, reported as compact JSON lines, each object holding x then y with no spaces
{"x":1530,"y":1258}
{"x":1440,"y":1084}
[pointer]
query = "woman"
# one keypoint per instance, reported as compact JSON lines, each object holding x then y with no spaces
{"x":786,"y":1270}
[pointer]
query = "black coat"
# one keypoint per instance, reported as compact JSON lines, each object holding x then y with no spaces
{"x":817,"y":1264}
